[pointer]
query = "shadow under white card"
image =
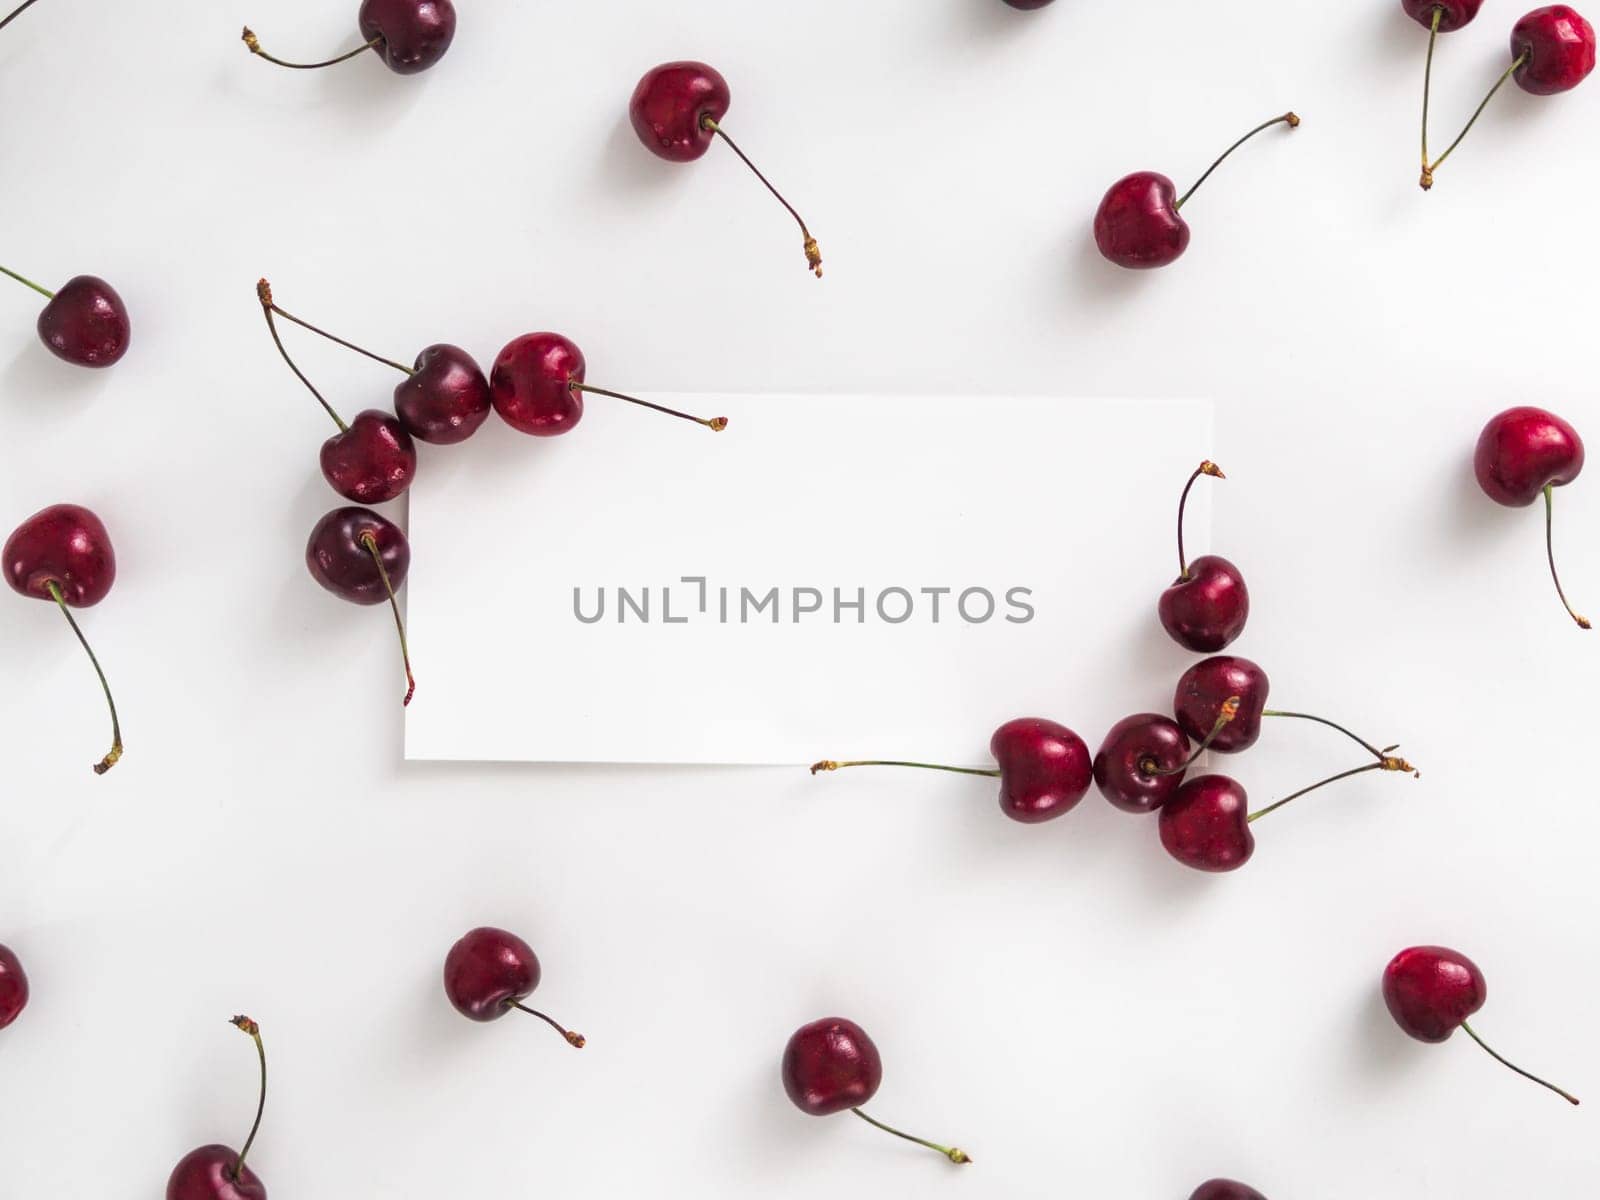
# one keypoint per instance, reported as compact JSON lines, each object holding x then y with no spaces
{"x":839,"y":576}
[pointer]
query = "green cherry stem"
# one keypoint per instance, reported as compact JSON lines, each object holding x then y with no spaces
{"x":251,"y":41}
{"x":1230,"y":710}
{"x":575,"y":1040}
{"x":813,"y":253}
{"x":950,"y":1152}
{"x":1550,"y":552}
{"x":1427,"y":88}
{"x":246,"y":1025}
{"x":829,"y":764}
{"x":1288,"y":118}
{"x":17,"y":12}
{"x":1206,"y":468}
{"x":1386,"y":763}
{"x":1472,"y":1033}
{"x":715,"y":424}
{"x":371,"y":543}
{"x":264,"y":294}
{"x":1429,"y":168}
{"x":114,"y":755}
{"x":43,"y":291}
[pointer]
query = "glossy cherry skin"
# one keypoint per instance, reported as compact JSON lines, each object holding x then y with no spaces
{"x":1225,"y":1189}
{"x":208,"y":1174}
{"x":338,"y":558}
{"x":1044,"y":769}
{"x":1206,"y":686}
{"x":372,"y":461}
{"x":1456,"y":12}
{"x":831,"y":1065}
{"x":1206,"y":611}
{"x":1137,"y":224}
{"x":487,"y":971}
{"x":1122,"y":767}
{"x":1430,"y":991}
{"x":13,"y":987}
{"x":64,"y":544}
{"x":415,"y":33}
{"x":1522,"y":450}
{"x":531,"y":384}
{"x":446,"y":398}
{"x":1203,"y":826}
{"x":670,"y":105}
{"x":1560,"y":47}
{"x":86,"y":323}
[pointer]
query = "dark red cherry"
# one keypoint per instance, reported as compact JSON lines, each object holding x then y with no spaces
{"x":1044,"y":769}
{"x":1432,"y":990}
{"x":1225,"y":1189}
{"x":670,"y":107}
{"x":216,"y":1172}
{"x":531,"y":384}
{"x":84,"y":323}
{"x":1207,"y":609}
{"x":1453,"y":14}
{"x":1555,"y":48}
{"x":413,"y":34}
{"x":1027,"y":4}
{"x":1127,"y":764}
{"x":1206,"y":824}
{"x":362,"y":557}
{"x":489,"y":972}
{"x":445,"y":399}
{"x":13,"y":987}
{"x":831,"y":1065}
{"x":372,"y":460}
{"x":1205,"y":687}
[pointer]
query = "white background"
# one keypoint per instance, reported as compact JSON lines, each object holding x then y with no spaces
{"x":1083,"y":1015}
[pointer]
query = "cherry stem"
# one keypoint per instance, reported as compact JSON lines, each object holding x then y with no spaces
{"x":813,"y":254}
{"x":1300,"y":716}
{"x":17,"y":12}
{"x":575,"y":1040}
{"x":950,"y":1152}
{"x":1288,"y":118}
{"x":45,"y":292}
{"x":1429,"y":168}
{"x":250,"y":1027}
{"x":114,"y":755}
{"x":255,"y":48}
{"x":828,"y":764}
{"x":1206,"y":468}
{"x":1550,"y":552}
{"x":1472,"y":1033}
{"x":371,"y":543}
{"x":1427,"y":88}
{"x":1230,"y":710}
{"x":338,"y":341}
{"x":1385,"y":764}
{"x":715,"y":424}
{"x":264,"y":294}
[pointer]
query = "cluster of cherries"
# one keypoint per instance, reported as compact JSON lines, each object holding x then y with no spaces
{"x":1045,"y":768}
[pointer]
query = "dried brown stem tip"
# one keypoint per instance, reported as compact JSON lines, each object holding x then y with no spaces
{"x":109,"y":761}
{"x":717,"y":424}
{"x":814,"y":256}
{"x":1292,"y":119}
{"x":1229,"y":710}
{"x":246,"y":1025}
{"x":264,"y":293}
{"x":576,"y":1040}
{"x":250,"y":40}
{"x":1427,"y":179}
{"x":1210,"y":468}
{"x":826,"y":764}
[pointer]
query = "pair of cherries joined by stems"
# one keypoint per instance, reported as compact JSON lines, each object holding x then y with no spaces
{"x":84,"y":322}
{"x":1552,"y":51}
{"x":63,"y":555}
{"x":1525,"y":453}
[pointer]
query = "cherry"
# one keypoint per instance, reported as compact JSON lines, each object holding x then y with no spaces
{"x":831,"y":1065}
{"x":361,"y":557}
{"x":1207,"y":605}
{"x":372,"y":458}
{"x":1205,"y":687}
{"x":1044,"y":768}
{"x":13,"y":987}
{"x":1552,"y":50}
{"x":216,"y":1172}
{"x":411,"y":35}
{"x":537,"y":386}
{"x":1027,"y":4}
{"x":489,"y":972}
{"x":1143,"y":759}
{"x":1225,"y":1189}
{"x":1444,"y":15}
{"x":1524,"y":453}
{"x":85,"y":323}
{"x":677,"y":109}
{"x":63,"y":554}
{"x":1138,"y":226}
{"x":1431,"y":990}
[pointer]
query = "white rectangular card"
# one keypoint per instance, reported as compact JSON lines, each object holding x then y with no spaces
{"x":830,"y":577}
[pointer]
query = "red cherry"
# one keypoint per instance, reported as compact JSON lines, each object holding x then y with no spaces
{"x":216,"y":1172}
{"x":1141,"y":762}
{"x":85,"y":322}
{"x":1453,"y":14}
{"x":1225,"y":1189}
{"x":13,"y":987}
{"x":1206,"y":825}
{"x":489,"y":972}
{"x":362,"y":557}
{"x":409,"y":35}
{"x":1554,"y":50}
{"x":1207,"y":605}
